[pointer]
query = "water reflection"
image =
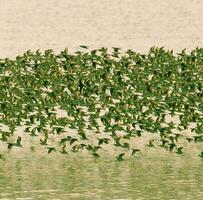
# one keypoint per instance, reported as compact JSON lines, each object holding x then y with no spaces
{"x":84,"y":178}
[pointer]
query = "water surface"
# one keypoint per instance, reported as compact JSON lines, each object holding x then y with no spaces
{"x":143,"y":177}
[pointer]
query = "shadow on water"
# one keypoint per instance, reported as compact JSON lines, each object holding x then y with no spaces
{"x":32,"y":177}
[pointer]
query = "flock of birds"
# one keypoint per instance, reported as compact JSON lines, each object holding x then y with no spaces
{"x":131,"y":93}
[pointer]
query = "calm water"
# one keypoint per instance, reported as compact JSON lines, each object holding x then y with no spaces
{"x":145,"y":177}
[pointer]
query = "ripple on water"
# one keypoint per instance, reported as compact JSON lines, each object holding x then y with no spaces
{"x":144,"y":177}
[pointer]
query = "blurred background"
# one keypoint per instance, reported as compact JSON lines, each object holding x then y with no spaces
{"x":129,"y":24}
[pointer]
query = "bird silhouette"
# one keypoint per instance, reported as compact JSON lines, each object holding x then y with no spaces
{"x":18,"y":142}
{"x":189,"y":139}
{"x":43,"y":141}
{"x":10,"y":146}
{"x":103,"y":140}
{"x":51,"y":149}
{"x":150,"y":143}
{"x":96,"y":155}
{"x":2,"y":156}
{"x":63,"y":151}
{"x":120,"y":157}
{"x":179,"y":150}
{"x":134,"y":151}
{"x":201,"y":155}
{"x":84,"y":46}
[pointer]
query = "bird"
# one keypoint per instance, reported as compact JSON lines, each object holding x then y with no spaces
{"x":10,"y":146}
{"x":96,"y":155}
{"x":82,"y":135}
{"x":127,"y":136}
{"x":18,"y":142}
{"x":134,"y":151}
{"x":120,"y":157}
{"x":177,"y":136}
{"x":179,"y":150}
{"x":196,"y":138}
{"x":63,"y":151}
{"x":171,"y":146}
{"x":103,"y":140}
{"x":83,"y":46}
{"x":150,"y":143}
{"x":201,"y":155}
{"x":117,"y":142}
{"x":189,"y":139}
{"x":164,"y":141}
{"x":32,"y":148}
{"x":50,"y":149}
{"x":138,"y":133}
{"x":75,"y":148}
{"x":43,"y":142}
{"x":126,"y":145}
{"x":2,"y":156}
{"x":73,"y":140}
{"x":83,"y":145}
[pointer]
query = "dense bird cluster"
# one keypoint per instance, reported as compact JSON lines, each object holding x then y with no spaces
{"x":130,"y":93}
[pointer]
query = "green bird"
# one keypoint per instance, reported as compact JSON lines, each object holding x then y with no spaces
{"x":189,"y":139}
{"x":83,"y":145}
{"x":18,"y":142}
{"x":120,"y":157}
{"x":73,"y":140}
{"x":172,"y":139}
{"x":126,"y":145}
{"x":82,"y":135}
{"x":201,"y":155}
{"x":84,"y":47}
{"x":50,"y":149}
{"x":2,"y":156}
{"x":32,"y":148}
{"x":134,"y":151}
{"x":179,"y":150}
{"x":43,"y":142}
{"x":103,"y":140}
{"x":171,"y":146}
{"x":177,"y":136}
{"x":127,"y":136}
{"x":96,"y":155}
{"x":138,"y":133}
{"x":150,"y":143}
{"x":63,"y":140}
{"x":93,"y":148}
{"x":63,"y":151}
{"x":164,"y":142}
{"x":117,"y":142}
{"x":75,"y":148}
{"x":198,"y":138}
{"x":10,"y":146}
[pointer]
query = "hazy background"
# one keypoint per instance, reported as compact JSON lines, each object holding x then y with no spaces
{"x":134,"y":24}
